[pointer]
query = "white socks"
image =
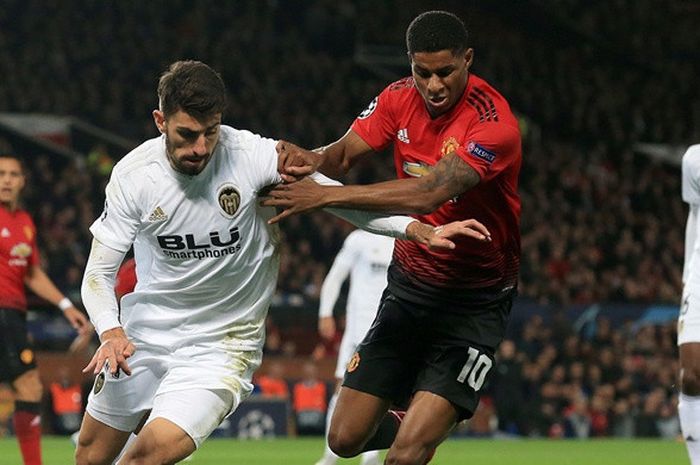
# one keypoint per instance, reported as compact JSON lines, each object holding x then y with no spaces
{"x":689,"y":413}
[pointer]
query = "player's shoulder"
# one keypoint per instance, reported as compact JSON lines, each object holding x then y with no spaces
{"x":488,"y":104}
{"x":402,"y":85}
{"x":242,"y":140}
{"x":691,"y":157}
{"x":147,"y":153}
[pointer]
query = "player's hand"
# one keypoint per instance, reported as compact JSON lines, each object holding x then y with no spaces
{"x":293,"y":162}
{"x":113,"y":351}
{"x":78,"y":321}
{"x":326,"y":327}
{"x":439,"y":238}
{"x":294,"y":198}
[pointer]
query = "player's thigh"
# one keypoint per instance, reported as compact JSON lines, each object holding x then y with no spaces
{"x":98,"y":443}
{"x":122,"y":401}
{"x":427,"y":423}
{"x":355,"y":417}
{"x":28,"y":386}
{"x":181,"y":420}
{"x":16,"y":352}
{"x":459,"y":360}
{"x":690,"y":368}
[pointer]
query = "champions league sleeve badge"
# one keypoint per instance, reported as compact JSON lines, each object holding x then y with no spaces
{"x":229,"y":200}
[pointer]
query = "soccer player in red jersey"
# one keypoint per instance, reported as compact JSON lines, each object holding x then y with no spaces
{"x":457,"y":154}
{"x":19,"y":266}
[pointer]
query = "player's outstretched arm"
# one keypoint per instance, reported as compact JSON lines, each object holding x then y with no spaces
{"x":449,"y":178}
{"x":333,"y":160}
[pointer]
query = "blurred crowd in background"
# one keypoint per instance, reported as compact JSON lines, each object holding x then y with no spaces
{"x":588,"y":80}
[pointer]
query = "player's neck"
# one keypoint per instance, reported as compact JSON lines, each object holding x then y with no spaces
{"x":9,"y":206}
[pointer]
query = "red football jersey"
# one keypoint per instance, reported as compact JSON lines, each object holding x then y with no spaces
{"x":484,"y":133}
{"x":18,"y":251}
{"x":126,"y":278}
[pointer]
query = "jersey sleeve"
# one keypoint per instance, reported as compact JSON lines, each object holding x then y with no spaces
{"x":690,"y":181}
{"x":35,"y":257}
{"x":339,"y":272}
{"x":490,"y":148}
{"x":117,"y":225}
{"x":376,"y":124}
{"x":263,"y":166}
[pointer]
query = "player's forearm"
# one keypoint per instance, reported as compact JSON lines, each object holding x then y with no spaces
{"x":39,"y":282}
{"x":335,"y":163}
{"x":98,"y":286}
{"x":412,"y":196}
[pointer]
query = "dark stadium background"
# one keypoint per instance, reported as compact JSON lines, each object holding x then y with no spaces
{"x":607,"y":97}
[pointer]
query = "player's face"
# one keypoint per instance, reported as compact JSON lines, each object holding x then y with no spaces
{"x":189,"y":142}
{"x":441,"y":78}
{"x":11,"y":181}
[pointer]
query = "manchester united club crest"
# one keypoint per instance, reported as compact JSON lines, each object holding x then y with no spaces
{"x":354,"y":362}
{"x":449,"y":145}
{"x":229,"y":200}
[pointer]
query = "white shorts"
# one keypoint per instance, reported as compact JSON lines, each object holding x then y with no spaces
{"x":348,"y":346}
{"x":195,"y":387}
{"x":689,"y":319}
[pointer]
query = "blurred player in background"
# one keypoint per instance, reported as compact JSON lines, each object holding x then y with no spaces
{"x":457,"y":152}
{"x":185,"y":343}
{"x":689,"y":317}
{"x":364,"y":258}
{"x":19,"y":266}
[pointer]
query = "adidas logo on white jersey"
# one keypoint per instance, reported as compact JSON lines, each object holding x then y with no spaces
{"x":157,"y":215}
{"x":402,"y":135}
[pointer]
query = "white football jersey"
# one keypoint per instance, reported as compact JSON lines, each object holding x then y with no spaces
{"x":690,"y":186}
{"x":365,"y":257}
{"x":207,"y":261}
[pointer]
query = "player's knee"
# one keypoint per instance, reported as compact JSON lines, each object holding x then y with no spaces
{"x":91,"y":456}
{"x":344,"y":445}
{"x":402,"y":458}
{"x":415,"y":455}
{"x":690,"y":381}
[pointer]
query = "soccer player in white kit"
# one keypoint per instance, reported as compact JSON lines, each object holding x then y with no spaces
{"x":689,"y":317}
{"x":365,"y":258}
{"x":190,"y":336}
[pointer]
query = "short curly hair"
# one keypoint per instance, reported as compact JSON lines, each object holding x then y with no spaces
{"x":433,"y":31}
{"x":193,"y":87}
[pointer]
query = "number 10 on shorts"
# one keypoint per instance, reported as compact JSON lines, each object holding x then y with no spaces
{"x":475,"y":370}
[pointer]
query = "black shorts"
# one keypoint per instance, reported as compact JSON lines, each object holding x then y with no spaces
{"x":16,"y":352}
{"x":442,"y":349}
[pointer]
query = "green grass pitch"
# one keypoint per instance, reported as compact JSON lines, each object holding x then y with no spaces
{"x":59,"y":451}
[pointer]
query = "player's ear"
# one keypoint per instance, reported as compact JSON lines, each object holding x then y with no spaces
{"x":469,"y":56}
{"x":159,"y":119}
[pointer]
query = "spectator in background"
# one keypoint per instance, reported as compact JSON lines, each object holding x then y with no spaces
{"x":689,"y":317}
{"x":66,"y":403}
{"x":19,"y":266}
{"x":508,"y":389}
{"x":365,"y":259}
{"x":272,"y":383}
{"x":310,"y":401}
